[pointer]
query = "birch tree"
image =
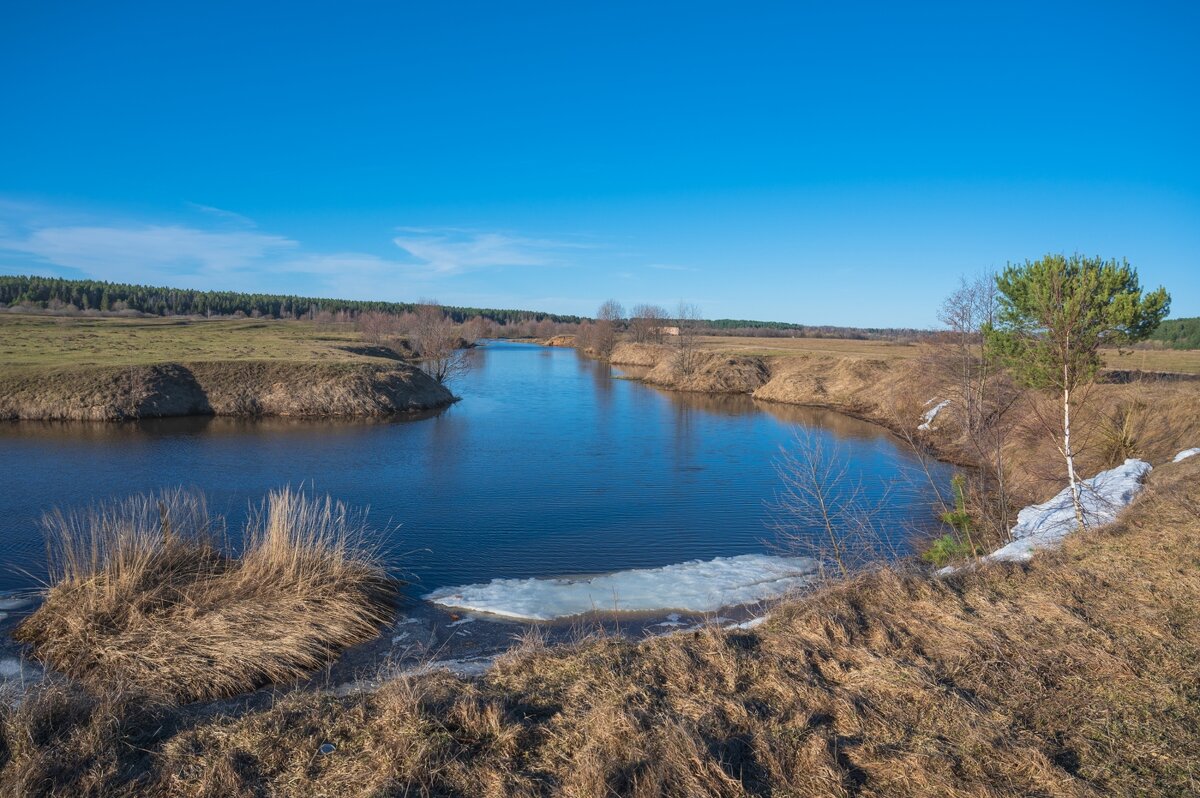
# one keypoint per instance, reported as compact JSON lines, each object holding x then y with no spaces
{"x":1055,"y":314}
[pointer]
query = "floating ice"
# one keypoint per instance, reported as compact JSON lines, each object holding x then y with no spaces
{"x":1044,"y":525}
{"x":696,"y":586}
{"x":931,"y":414}
{"x":1186,"y":453}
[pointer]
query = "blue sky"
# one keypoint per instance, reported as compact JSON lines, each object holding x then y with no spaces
{"x":835,"y":163}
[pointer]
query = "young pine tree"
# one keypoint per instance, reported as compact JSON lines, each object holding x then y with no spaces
{"x":1056,"y":314}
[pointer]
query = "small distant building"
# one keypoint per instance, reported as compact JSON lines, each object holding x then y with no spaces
{"x":668,"y":331}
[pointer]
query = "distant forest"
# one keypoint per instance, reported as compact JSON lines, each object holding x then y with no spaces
{"x":55,"y":293}
{"x":1179,"y":333}
{"x":58,"y":294}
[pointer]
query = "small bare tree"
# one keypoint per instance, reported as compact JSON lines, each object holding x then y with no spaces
{"x":475,"y":328}
{"x":436,"y":340}
{"x":378,"y":328}
{"x":687,"y":345}
{"x":646,"y":323}
{"x":822,"y":513}
{"x":966,"y":312}
{"x":604,"y":333}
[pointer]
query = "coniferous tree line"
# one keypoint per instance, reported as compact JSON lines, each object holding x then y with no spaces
{"x":1179,"y":333}
{"x":98,"y":295}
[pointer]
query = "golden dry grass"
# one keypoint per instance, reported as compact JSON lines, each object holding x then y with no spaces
{"x":1073,"y":676}
{"x":147,"y":601}
{"x":1186,"y":361}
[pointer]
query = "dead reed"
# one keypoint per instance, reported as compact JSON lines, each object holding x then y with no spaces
{"x":148,"y":599}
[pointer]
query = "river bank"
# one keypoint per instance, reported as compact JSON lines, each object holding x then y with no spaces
{"x":221,"y":388}
{"x":115,"y":369}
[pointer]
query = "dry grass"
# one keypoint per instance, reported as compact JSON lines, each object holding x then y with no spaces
{"x":146,"y":600}
{"x":1074,"y":676}
{"x":30,"y":342}
{"x":111,"y":369}
{"x":1169,"y":361}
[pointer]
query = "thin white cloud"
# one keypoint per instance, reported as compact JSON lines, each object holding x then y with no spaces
{"x":457,"y":250}
{"x":221,"y":213}
{"x":145,"y":252}
{"x":226,"y":249}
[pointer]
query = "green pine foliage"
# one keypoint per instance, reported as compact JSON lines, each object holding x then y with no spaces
{"x":1058,"y":312}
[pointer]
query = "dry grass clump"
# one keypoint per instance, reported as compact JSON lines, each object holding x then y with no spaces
{"x":147,"y":600}
{"x":1073,"y":676}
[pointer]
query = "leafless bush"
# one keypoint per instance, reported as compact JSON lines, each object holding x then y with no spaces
{"x":823,"y":513}
{"x":646,"y":323}
{"x":604,"y":331}
{"x":379,"y":328}
{"x":687,"y":353}
{"x":437,"y":342}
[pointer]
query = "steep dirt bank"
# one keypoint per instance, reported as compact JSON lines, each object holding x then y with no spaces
{"x":223,"y":388}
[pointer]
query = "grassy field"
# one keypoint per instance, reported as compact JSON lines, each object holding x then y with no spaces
{"x":32,"y":342}
{"x":1186,"y":361}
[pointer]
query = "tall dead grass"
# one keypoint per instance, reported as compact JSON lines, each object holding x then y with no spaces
{"x":147,"y":598}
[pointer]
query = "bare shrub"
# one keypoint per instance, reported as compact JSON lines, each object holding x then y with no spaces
{"x":646,"y":323}
{"x":379,"y":328}
{"x":436,"y":339}
{"x":604,"y":330}
{"x":822,"y":512}
{"x":687,"y":355}
{"x":148,"y":599}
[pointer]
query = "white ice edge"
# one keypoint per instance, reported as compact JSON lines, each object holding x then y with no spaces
{"x":695,"y":586}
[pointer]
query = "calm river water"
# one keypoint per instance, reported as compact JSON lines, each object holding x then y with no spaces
{"x":551,"y":464}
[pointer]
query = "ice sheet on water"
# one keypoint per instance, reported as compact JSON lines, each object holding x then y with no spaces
{"x":695,"y":586}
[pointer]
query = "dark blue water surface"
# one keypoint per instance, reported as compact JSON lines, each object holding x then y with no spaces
{"x":551,"y":464}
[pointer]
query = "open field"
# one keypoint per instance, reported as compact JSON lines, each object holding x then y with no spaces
{"x":1186,"y":361}
{"x":108,"y":369}
{"x":31,"y":342}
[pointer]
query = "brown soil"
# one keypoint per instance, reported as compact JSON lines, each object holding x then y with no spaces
{"x":233,"y":388}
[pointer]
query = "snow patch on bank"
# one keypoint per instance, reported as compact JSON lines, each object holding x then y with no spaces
{"x":931,"y":414}
{"x":1186,"y":453}
{"x":1044,"y":525}
{"x":696,"y":586}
